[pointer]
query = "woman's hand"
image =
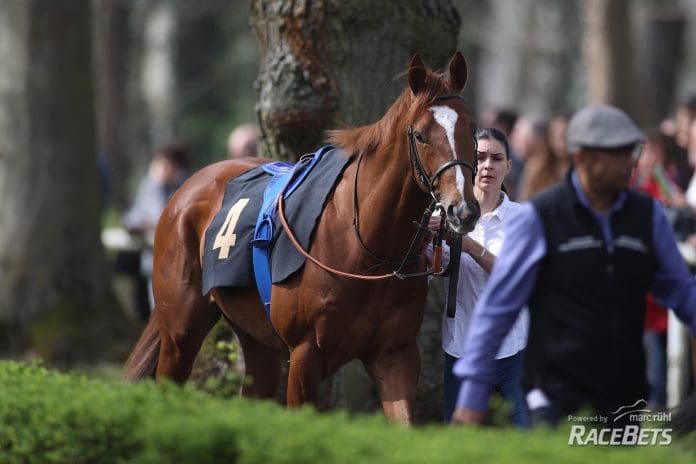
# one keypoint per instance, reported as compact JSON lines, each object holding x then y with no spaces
{"x":434,"y":223}
{"x":468,"y":417}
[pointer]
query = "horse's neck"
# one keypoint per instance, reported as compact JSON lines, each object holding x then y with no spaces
{"x":389,"y":200}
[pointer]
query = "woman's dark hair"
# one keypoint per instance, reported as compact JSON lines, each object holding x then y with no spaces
{"x":176,"y":152}
{"x":491,"y":133}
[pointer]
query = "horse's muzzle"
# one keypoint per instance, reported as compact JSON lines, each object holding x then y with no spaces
{"x":462,"y":218}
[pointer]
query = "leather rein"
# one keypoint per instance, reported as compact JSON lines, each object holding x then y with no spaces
{"x":425,"y":183}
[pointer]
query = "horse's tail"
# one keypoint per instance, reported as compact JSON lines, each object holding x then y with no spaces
{"x":142,"y":362}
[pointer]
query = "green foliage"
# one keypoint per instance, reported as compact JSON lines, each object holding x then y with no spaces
{"x":500,"y":411}
{"x":218,"y":370}
{"x":47,"y":417}
{"x":45,"y":422}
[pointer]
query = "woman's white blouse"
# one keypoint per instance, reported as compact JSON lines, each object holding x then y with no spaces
{"x":490,"y":232}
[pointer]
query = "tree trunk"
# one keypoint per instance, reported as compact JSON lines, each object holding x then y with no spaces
{"x":158,"y":69}
{"x":473,"y":14}
{"x":54,"y":287}
{"x":331,"y":62}
{"x":151,"y":89}
{"x":325,"y":63}
{"x":136,"y":87}
{"x":661,"y":41}
{"x":609,"y":57}
{"x":111,"y":59}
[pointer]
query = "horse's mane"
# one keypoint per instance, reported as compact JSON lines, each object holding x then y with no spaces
{"x":366,"y":139}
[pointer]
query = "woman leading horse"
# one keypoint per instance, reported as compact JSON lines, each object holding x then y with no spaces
{"x":326,"y":314}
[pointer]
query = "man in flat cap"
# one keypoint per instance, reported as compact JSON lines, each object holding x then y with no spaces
{"x":582,"y":255}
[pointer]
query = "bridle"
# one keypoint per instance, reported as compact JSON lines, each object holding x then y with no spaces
{"x":425,"y":183}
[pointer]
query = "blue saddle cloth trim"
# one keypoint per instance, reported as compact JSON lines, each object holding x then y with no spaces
{"x":286,"y":178}
{"x":277,"y":167}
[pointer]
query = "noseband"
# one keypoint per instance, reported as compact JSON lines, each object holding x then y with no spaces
{"x":425,"y":182}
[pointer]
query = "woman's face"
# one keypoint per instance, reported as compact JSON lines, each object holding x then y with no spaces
{"x":682,"y":123}
{"x":650,"y":156}
{"x":162,"y":170}
{"x":691,"y":144}
{"x":557,"y":136}
{"x":493,"y":165}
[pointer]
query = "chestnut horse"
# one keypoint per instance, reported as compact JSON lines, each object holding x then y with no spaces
{"x":422,"y":148}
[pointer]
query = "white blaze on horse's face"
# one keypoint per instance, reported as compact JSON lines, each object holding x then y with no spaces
{"x":461,"y":216}
{"x":447,"y":118}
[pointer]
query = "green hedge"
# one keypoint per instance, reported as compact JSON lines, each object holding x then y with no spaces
{"x":48,"y":417}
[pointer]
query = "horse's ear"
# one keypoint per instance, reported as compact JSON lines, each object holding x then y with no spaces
{"x":458,"y":71}
{"x":416,"y":74}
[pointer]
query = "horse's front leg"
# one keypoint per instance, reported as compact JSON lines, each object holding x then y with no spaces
{"x":396,"y":373}
{"x":305,"y":373}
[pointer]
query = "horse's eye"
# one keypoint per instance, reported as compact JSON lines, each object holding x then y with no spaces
{"x":420,"y":137}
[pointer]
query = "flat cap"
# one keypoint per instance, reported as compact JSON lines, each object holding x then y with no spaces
{"x":602,"y":126}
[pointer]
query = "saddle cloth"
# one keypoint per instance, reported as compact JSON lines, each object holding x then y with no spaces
{"x":248,"y":215}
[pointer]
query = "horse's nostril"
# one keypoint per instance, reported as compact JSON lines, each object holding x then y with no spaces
{"x":450,"y":211}
{"x":461,"y":212}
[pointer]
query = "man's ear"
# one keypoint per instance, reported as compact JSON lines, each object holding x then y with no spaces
{"x":579,"y":157}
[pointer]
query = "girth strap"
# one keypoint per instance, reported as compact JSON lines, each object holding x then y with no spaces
{"x":286,"y":182}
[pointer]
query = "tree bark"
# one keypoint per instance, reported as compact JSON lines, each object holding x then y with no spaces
{"x":54,"y":288}
{"x":609,"y":56}
{"x":661,"y":41}
{"x":327,"y":63}
{"x":331,"y":62}
{"x":111,"y":59}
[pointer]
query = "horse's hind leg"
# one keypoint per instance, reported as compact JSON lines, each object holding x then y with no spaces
{"x":183,"y":330}
{"x":262,"y":366}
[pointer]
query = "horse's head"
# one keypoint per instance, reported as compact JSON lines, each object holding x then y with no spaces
{"x":442,"y":143}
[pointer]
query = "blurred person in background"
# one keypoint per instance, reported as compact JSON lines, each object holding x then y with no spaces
{"x":551,"y":162}
{"x":685,"y":219}
{"x":680,"y":161}
{"x":691,"y":156}
{"x":243,"y":141}
{"x":651,"y":176}
{"x":167,"y":171}
{"x":502,"y":119}
{"x":685,"y":115}
{"x":527,"y":139}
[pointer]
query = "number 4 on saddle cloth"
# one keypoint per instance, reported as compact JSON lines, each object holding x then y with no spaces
{"x":245,"y":242}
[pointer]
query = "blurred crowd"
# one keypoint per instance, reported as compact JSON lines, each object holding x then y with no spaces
{"x":665,"y":169}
